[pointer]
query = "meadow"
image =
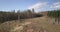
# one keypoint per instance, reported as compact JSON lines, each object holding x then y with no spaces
{"x":29,"y":21}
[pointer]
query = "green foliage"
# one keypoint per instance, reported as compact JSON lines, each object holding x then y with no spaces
{"x":55,"y":13}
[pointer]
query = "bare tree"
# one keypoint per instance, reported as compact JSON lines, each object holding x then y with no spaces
{"x":33,"y":10}
{"x":18,"y":14}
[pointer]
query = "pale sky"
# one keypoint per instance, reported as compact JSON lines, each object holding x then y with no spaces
{"x":38,"y":5}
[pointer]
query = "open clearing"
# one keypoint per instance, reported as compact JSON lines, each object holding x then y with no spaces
{"x":39,"y":24}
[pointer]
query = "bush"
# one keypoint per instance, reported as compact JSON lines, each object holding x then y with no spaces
{"x":55,"y":13}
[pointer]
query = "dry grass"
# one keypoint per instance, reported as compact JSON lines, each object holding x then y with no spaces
{"x":45,"y":24}
{"x":40,"y":23}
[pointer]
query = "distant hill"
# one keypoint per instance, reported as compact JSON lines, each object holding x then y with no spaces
{"x":44,"y":13}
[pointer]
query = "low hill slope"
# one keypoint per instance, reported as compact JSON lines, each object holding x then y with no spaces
{"x":40,"y":24}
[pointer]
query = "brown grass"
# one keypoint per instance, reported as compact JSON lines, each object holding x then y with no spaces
{"x":36,"y":25}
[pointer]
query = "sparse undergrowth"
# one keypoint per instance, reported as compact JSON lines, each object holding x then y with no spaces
{"x":40,"y":24}
{"x":55,"y":14}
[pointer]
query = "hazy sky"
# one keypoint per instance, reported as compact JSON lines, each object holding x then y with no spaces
{"x":38,"y":5}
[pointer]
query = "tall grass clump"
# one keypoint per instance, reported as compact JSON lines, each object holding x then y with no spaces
{"x":54,"y":14}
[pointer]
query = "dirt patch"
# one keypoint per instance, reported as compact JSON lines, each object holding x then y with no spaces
{"x":34,"y":27}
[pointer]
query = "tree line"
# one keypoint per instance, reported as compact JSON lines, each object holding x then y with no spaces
{"x":8,"y":16}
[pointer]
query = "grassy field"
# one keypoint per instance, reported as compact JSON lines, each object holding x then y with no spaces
{"x":30,"y":25}
{"x":30,"y":22}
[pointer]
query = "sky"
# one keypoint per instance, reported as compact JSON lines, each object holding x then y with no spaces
{"x":38,"y":5}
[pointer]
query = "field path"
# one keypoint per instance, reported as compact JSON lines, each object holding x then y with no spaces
{"x":21,"y":27}
{"x":29,"y":26}
{"x":40,"y":24}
